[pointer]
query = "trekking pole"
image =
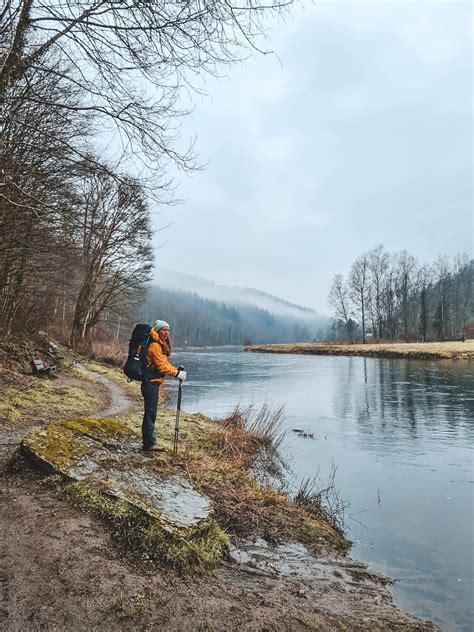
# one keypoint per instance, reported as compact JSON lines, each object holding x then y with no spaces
{"x":178,"y":410}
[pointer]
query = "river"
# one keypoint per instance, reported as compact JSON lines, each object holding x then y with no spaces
{"x":401,"y":435}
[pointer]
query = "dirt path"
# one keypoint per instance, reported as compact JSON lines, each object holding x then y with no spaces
{"x":119,"y":400}
{"x":60,"y":571}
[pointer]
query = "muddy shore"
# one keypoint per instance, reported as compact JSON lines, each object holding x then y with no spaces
{"x":61,"y":570}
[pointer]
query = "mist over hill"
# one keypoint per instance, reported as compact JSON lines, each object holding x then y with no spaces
{"x":201,"y":312}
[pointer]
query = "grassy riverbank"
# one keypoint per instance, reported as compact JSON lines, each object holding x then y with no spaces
{"x":68,"y":563}
{"x":218,"y":458}
{"x":414,"y":351}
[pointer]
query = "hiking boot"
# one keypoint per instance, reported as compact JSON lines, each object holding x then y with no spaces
{"x":154,"y":448}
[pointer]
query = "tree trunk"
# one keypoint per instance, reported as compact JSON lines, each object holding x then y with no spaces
{"x":423,"y":315}
{"x":82,"y":312}
{"x":363,"y":317}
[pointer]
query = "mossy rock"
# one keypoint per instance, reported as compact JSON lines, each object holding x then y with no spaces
{"x":100,"y":466}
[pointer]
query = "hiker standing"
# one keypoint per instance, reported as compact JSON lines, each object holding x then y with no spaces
{"x":157,"y":356}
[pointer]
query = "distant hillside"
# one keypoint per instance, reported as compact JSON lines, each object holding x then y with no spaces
{"x":170,"y":280}
{"x":203,"y":313}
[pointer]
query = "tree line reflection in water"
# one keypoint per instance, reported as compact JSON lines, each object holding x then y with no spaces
{"x":406,"y":397}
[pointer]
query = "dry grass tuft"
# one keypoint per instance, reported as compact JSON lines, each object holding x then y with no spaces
{"x":111,"y":352}
{"x":224,"y":469}
{"x":322,"y":499}
{"x":248,"y":431}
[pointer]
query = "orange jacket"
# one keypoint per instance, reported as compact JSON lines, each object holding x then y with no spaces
{"x":156,"y":357}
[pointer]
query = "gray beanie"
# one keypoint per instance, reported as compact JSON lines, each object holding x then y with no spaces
{"x":159,"y":324}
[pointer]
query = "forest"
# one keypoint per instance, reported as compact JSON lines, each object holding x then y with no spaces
{"x":200,"y":321}
{"x":89,"y":133}
{"x":392,"y":297}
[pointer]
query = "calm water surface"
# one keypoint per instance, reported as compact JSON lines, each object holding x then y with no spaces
{"x":401,"y":434}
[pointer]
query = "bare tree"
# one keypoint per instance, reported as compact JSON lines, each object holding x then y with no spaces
{"x":390,"y":301}
{"x":130,"y":59}
{"x":404,"y":300}
{"x":35,"y":193}
{"x":338,"y":299}
{"x":442,"y":278}
{"x":424,"y":284}
{"x":114,"y":234}
{"x":405,"y":275}
{"x":378,"y":267}
{"x":358,"y":285}
{"x":462,"y":292}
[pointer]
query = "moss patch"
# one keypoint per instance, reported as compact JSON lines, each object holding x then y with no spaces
{"x":45,"y":400}
{"x":185,"y":550}
{"x":58,"y":446}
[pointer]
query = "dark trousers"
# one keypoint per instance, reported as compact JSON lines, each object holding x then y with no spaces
{"x":150,"y":391}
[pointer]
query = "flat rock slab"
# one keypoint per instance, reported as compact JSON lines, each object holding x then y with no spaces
{"x":107,"y":455}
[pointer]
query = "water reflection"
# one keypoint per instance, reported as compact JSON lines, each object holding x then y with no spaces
{"x":401,"y":435}
{"x":403,"y":397}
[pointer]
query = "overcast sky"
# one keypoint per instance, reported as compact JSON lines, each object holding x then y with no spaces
{"x":359,"y":133}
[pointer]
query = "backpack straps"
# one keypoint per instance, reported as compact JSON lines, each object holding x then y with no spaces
{"x":149,"y":372}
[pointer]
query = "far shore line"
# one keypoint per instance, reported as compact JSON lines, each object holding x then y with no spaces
{"x":416,"y":351}
{"x":205,"y":347}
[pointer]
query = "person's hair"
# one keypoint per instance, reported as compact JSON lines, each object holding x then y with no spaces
{"x":167,"y":345}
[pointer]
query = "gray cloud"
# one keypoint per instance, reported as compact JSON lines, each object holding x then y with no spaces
{"x":363,"y":136}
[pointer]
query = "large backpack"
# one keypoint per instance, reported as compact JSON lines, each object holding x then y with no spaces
{"x":135,"y":367}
